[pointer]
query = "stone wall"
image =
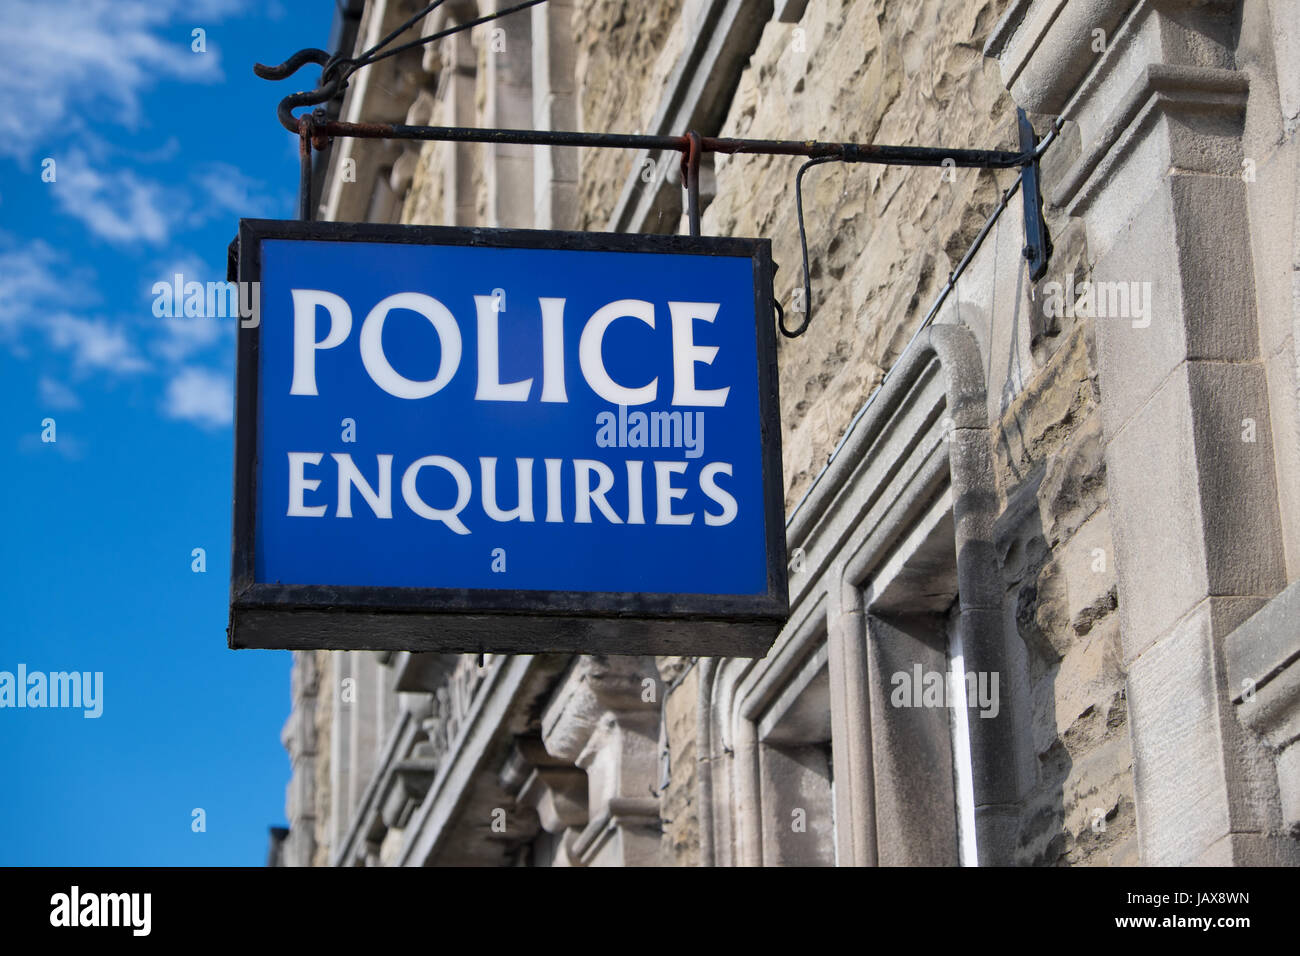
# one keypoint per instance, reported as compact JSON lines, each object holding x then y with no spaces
{"x":882,"y":242}
{"x":427,"y":197}
{"x":1057,"y":559}
{"x":881,"y":239}
{"x":624,"y":52}
{"x":679,"y":810}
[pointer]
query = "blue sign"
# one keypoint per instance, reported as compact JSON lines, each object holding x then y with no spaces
{"x":549,"y":425}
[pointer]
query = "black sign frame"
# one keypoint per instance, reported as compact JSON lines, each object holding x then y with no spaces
{"x":477,"y":620}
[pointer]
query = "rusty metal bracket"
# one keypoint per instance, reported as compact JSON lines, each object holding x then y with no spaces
{"x":317,"y":129}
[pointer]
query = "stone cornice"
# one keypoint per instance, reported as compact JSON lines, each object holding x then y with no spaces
{"x":1045,"y":47}
{"x":1161,"y":87}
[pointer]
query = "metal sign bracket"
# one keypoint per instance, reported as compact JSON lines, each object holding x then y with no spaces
{"x":317,"y":128}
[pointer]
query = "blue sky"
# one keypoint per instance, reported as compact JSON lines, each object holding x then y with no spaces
{"x":158,"y":151}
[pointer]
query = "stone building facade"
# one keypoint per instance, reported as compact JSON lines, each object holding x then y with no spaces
{"x":1081,"y":490}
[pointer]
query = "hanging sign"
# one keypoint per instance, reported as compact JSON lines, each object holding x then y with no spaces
{"x":507,"y":441}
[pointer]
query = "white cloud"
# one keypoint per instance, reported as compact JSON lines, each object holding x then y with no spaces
{"x":65,"y":57}
{"x":201,"y":396}
{"x":95,"y":344}
{"x":183,"y":337}
{"x":225,"y":189}
{"x":118,"y":206}
{"x":35,"y":279}
{"x":42,"y":295}
{"x":57,"y":395}
{"x":45,"y":300}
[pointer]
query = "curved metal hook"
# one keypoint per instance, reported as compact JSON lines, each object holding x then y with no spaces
{"x":321,"y":94}
{"x":332,"y":80}
{"x":291,"y":65}
{"x":803,"y":245}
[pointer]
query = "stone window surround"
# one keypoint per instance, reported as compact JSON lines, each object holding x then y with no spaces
{"x":739,"y":700}
{"x":913,"y":619}
{"x":891,"y":466}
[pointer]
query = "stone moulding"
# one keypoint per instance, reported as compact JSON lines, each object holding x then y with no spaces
{"x":1161,"y":89}
{"x":924,"y":429}
{"x":1045,"y":47}
{"x":965,"y":405}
